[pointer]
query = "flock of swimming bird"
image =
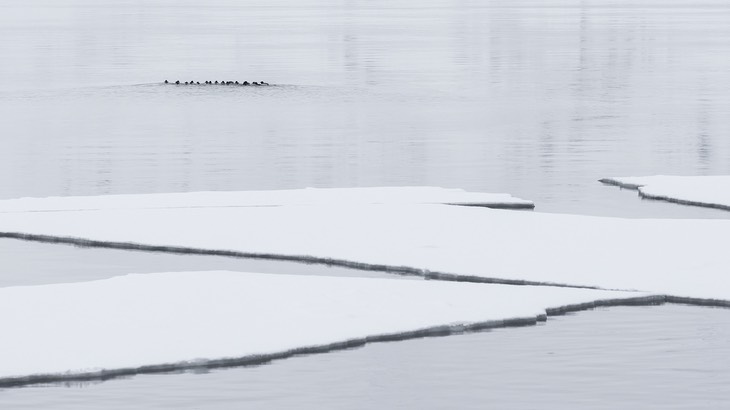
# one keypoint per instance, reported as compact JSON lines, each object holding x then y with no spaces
{"x":216,"y":83}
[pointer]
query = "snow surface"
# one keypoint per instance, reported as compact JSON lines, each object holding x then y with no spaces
{"x":686,"y":258}
{"x":307,"y":196}
{"x":708,"y":191}
{"x":136,"y":320}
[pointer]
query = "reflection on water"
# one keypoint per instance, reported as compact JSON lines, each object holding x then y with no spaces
{"x":539,"y":99}
{"x":665,"y":357}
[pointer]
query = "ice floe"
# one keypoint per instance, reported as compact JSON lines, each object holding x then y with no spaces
{"x":167,"y":321}
{"x":684,"y":258}
{"x":307,"y":196}
{"x":707,"y":191}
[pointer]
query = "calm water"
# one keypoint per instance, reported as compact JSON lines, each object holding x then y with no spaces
{"x":667,"y":357}
{"x":538,"y":98}
{"x":32,"y":263}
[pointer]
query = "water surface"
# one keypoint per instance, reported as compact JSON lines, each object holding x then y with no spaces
{"x":34,"y":263}
{"x":535,"y":98}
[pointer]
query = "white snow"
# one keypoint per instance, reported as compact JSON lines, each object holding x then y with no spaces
{"x":307,"y":196}
{"x":686,"y":258}
{"x":711,"y":191}
{"x":136,"y":320}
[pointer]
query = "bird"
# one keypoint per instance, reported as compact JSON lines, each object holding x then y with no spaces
{"x":243,"y":83}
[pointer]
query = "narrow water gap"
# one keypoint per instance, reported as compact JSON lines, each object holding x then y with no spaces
{"x":37,"y":263}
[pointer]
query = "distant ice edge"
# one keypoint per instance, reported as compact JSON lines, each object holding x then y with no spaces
{"x":644,"y":195}
{"x":620,"y":184}
{"x":496,"y":205}
{"x":396,"y":270}
{"x":253,"y":360}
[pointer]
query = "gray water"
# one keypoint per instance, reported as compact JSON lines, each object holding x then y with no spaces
{"x":538,"y":98}
{"x":666,"y":357}
{"x":27,"y":263}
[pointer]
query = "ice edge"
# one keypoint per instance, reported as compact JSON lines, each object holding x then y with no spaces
{"x":615,"y":182}
{"x":496,"y":205}
{"x":397,"y":270}
{"x":435,"y":331}
{"x":644,"y":195}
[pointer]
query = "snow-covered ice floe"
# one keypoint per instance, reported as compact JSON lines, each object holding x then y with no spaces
{"x":707,"y":191}
{"x":170,"y":321}
{"x":682,"y":258}
{"x":307,"y":196}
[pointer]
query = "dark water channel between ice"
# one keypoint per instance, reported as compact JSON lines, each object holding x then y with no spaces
{"x":537,"y":98}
